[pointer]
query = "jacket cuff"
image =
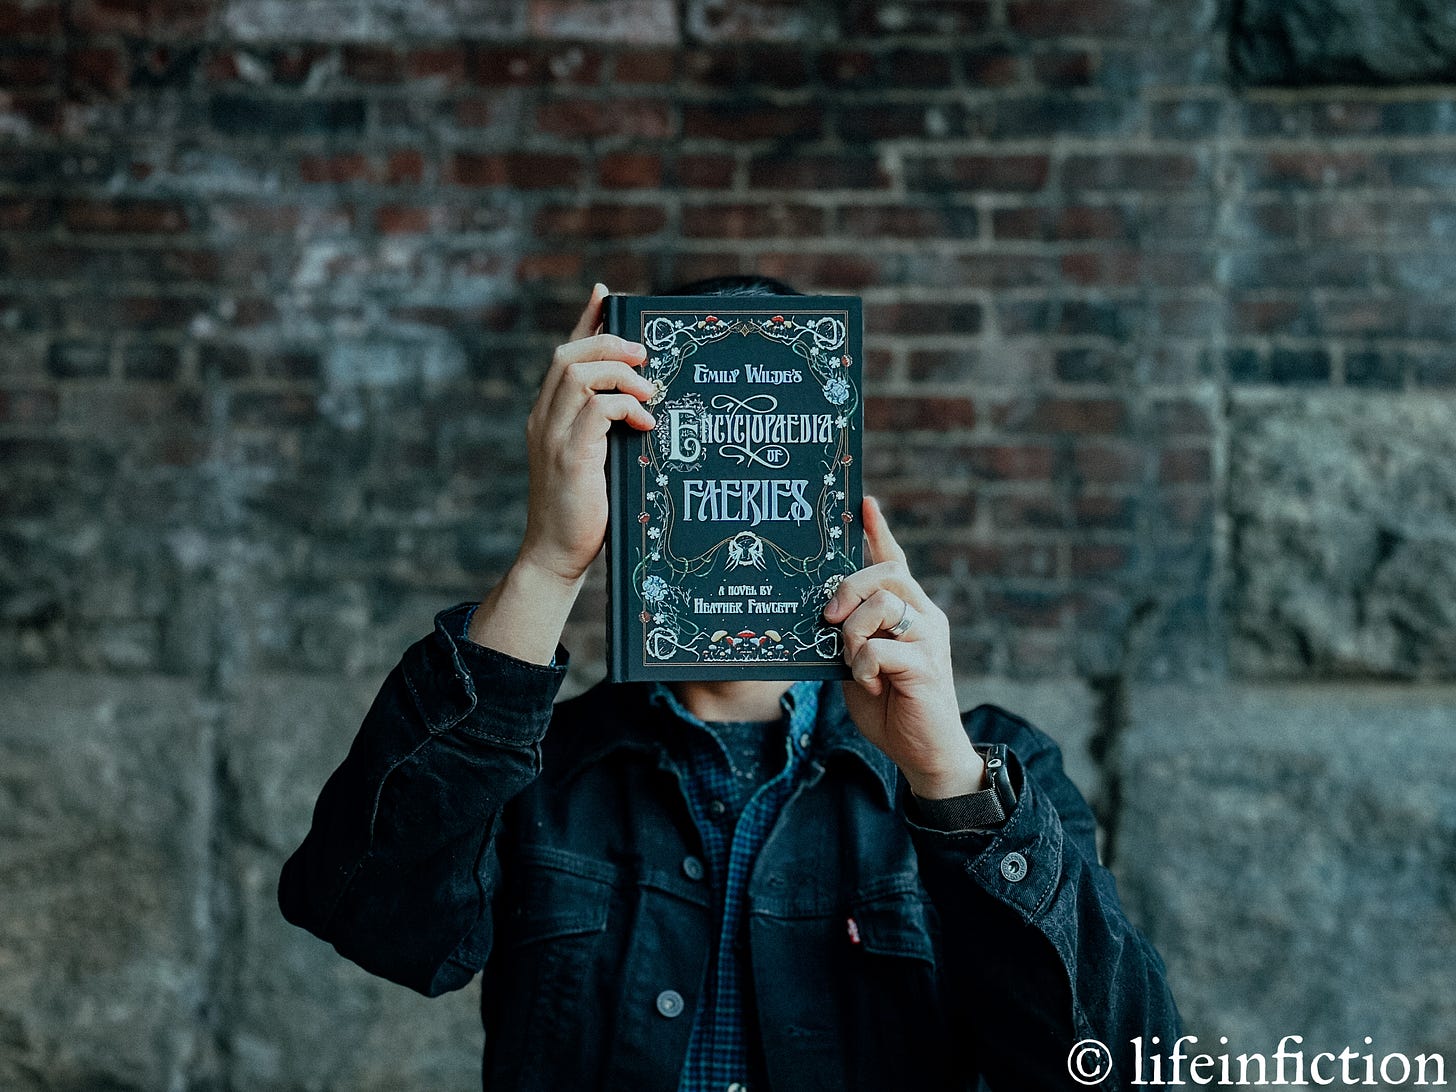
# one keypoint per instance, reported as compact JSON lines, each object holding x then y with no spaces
{"x":507,"y":699}
{"x":1018,"y":863}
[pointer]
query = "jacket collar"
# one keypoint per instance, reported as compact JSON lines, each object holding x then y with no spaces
{"x":646,"y":714}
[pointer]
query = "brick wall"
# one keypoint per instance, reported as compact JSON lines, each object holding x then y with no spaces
{"x":278,"y":282}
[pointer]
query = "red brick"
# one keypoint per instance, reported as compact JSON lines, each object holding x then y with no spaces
{"x":906,"y":414}
{"x":929,"y":221}
{"x":1065,"y":68}
{"x":818,"y":172}
{"x":831,"y":272}
{"x":550,"y":267}
{"x":732,"y":121}
{"x":707,"y":172}
{"x":335,"y":169}
{"x":1071,"y":222}
{"x":27,"y":68}
{"x":573,"y":118}
{"x":646,"y":66}
{"x":1185,"y":465}
{"x":1099,"y":559}
{"x":446,"y":63}
{"x":404,"y":167}
{"x":943,"y":17}
{"x":96,"y":69}
{"x":959,"y":317}
{"x":1104,"y":513}
{"x":373,"y":64}
{"x":26,"y":213}
{"x":1036,"y":609}
{"x":1008,"y":462}
{"x":25,"y":407}
{"x":630,"y":170}
{"x":601,"y":221}
{"x":1101,"y":464}
{"x":746,"y":221}
{"x":1063,"y":415}
{"x":522,"y":170}
{"x":911,"y":509}
{"x":1064,"y":18}
{"x":525,"y":66}
{"x":18,"y":20}
{"x":993,"y":67}
{"x":125,"y":216}
{"x":1129,"y":171}
{"x":1182,"y":418}
{"x":1014,"y":173}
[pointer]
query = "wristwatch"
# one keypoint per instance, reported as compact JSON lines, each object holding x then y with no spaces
{"x":982,"y":810}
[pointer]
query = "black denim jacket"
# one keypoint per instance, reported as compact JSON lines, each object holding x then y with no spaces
{"x":475,"y":827}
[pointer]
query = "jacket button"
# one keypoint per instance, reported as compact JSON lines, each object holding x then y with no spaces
{"x":1013,"y":867}
{"x":717,"y":807}
{"x":692,"y":868}
{"x":670,"y":1003}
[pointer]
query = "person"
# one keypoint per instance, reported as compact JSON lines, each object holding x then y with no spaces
{"x":725,"y":886}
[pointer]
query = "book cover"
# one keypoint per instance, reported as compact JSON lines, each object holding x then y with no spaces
{"x":733,"y":520}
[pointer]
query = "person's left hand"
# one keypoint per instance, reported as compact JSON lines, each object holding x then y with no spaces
{"x":902,"y":696}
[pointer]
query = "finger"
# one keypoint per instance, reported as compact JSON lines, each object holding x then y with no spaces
{"x":582,"y":380}
{"x":595,"y":347}
{"x":877,"y":613}
{"x":597,"y":414}
{"x":883,"y":659}
{"x":883,"y":546}
{"x":591,"y":314}
{"x":858,"y":586}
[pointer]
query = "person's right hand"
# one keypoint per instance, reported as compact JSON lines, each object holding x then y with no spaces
{"x":590,"y":384}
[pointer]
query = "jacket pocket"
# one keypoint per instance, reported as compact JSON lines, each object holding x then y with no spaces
{"x":898,"y":1025}
{"x":543,"y":1015}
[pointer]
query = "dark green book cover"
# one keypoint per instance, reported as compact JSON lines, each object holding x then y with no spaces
{"x":734,"y":518}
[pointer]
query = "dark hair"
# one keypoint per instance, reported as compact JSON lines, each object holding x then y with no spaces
{"x":736,"y":284}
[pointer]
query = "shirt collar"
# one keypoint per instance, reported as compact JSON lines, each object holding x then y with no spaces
{"x":815,"y":707}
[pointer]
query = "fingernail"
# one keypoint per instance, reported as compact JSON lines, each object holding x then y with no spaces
{"x":599,"y":285}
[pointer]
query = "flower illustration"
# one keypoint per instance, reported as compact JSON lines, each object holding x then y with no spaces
{"x":837,"y":390}
{"x":839,"y":494}
{"x":829,"y":478}
{"x":841,"y":421}
{"x":834,"y":532}
{"x":655,"y":589}
{"x":659,"y":392}
{"x":654,"y":532}
{"x":662,"y":479}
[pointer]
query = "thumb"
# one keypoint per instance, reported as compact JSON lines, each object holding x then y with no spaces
{"x":588,"y":321}
{"x":883,"y":546}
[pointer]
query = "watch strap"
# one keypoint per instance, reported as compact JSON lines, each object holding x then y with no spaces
{"x":982,"y":810}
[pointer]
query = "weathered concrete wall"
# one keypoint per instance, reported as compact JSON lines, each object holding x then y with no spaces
{"x":1160,"y":402}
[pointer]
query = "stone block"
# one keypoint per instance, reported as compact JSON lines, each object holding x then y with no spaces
{"x":105,"y":817}
{"x":1291,"y":851}
{"x":1343,"y":515}
{"x":298,"y":1016}
{"x":1298,"y":42}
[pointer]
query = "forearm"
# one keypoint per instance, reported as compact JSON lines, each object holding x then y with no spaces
{"x":525,"y":613}
{"x":398,"y":866}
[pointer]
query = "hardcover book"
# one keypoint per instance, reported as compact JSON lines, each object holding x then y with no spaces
{"x":734,"y":518}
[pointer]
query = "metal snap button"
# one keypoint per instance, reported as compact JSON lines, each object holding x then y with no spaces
{"x":1014,"y":867}
{"x":670,"y":1003}
{"x":692,"y":868}
{"x":717,"y":807}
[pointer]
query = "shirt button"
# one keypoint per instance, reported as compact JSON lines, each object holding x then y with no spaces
{"x":692,"y":868}
{"x":670,"y":1003}
{"x":717,"y":807}
{"x":804,"y":740}
{"x":738,"y":1086}
{"x":1013,"y":867}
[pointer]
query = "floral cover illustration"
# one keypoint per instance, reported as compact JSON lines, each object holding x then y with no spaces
{"x":748,"y":489}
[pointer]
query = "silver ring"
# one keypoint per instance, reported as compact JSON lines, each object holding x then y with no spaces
{"x":906,"y":621}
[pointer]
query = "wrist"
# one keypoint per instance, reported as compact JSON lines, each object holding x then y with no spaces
{"x":956,"y":775}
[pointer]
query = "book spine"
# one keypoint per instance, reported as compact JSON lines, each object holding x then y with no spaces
{"x":614,"y":317}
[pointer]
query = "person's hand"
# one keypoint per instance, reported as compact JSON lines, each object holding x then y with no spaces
{"x":902,"y":696}
{"x":592,"y":382}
